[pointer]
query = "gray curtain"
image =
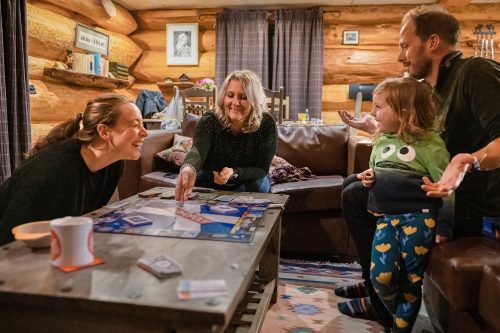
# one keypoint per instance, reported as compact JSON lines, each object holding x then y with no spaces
{"x":242,"y":43}
{"x":15,"y":131}
{"x":298,"y":59}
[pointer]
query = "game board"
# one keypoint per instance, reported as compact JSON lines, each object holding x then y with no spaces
{"x":226,"y":221}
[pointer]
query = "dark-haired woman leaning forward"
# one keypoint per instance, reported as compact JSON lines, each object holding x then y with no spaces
{"x":76,"y":167}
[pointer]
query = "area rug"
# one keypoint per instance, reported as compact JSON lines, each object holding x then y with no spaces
{"x":307,"y":304}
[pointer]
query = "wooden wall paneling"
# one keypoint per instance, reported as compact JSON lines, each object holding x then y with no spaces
{"x":55,"y":9}
{"x":54,"y":101}
{"x":135,"y":89}
{"x":366,"y":14}
{"x":50,"y":34}
{"x":121,"y":48}
{"x":156,"y":19}
{"x":36,"y":66}
{"x":369,"y":34}
{"x":123,"y":22}
{"x":478,"y":13}
{"x":152,"y":67}
{"x":360,"y":64}
{"x":156,"y":40}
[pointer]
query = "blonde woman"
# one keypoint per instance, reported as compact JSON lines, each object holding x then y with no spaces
{"x":233,"y":146}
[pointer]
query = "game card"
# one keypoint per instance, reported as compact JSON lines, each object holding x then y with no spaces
{"x":137,"y":220}
{"x":168,"y":193}
{"x":225,"y":198}
{"x":161,"y":266}
{"x":149,"y":194}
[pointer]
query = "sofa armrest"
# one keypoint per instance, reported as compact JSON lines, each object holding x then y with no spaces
{"x":156,"y":141}
{"x":359,"y":149}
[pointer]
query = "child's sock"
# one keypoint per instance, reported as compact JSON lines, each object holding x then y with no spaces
{"x":357,"y":290}
{"x":364,"y":308}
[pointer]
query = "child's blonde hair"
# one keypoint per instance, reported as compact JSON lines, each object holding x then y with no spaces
{"x":412,"y":102}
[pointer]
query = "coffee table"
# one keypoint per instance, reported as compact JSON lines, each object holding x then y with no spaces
{"x":118,"y":296}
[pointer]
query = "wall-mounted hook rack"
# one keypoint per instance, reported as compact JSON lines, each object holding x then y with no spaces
{"x":484,"y":46}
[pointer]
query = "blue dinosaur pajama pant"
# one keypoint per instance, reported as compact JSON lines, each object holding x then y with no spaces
{"x":399,"y":256}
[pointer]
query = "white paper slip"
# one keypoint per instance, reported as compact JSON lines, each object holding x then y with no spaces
{"x":191,"y":289}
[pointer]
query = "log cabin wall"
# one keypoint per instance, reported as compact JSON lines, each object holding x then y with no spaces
{"x":139,"y":40}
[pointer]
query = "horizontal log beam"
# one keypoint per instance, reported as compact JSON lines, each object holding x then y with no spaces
{"x":51,"y":34}
{"x":360,"y":64}
{"x":123,"y":22}
{"x":156,"y":40}
{"x":152,"y":67}
{"x":157,"y":19}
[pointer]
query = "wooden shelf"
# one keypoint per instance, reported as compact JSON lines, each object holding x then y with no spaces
{"x":83,"y":79}
{"x":181,"y":85}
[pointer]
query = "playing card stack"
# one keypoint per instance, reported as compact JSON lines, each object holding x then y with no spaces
{"x":161,"y":266}
{"x":190,"y":289}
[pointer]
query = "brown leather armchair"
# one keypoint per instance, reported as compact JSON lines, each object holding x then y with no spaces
{"x":462,"y":285}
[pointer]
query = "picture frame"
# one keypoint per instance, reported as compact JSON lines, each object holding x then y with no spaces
{"x":350,"y":37}
{"x":182,"y":44}
{"x":91,"y":40}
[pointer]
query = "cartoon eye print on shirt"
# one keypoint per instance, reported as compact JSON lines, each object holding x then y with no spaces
{"x":404,"y":153}
{"x":388,"y":151}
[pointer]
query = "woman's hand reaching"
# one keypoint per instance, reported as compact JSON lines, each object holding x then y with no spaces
{"x":185,"y":183}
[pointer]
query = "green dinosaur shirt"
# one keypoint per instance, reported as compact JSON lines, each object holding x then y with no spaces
{"x":399,"y":168}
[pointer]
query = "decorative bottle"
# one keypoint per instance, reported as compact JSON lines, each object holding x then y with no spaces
{"x":307,"y":114}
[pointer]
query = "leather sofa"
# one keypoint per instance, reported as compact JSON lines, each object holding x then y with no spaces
{"x":462,"y":285}
{"x":312,"y":222}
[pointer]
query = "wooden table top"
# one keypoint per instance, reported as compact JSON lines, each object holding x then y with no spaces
{"x":119,"y":285}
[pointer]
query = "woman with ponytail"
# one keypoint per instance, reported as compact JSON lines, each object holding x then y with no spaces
{"x":75,"y":168}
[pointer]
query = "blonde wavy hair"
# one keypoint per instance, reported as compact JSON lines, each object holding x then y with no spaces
{"x":255,"y":96}
{"x":412,"y":102}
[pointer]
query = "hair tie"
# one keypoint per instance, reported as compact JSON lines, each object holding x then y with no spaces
{"x":80,"y":115}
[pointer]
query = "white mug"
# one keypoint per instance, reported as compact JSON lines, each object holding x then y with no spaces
{"x":71,"y":241}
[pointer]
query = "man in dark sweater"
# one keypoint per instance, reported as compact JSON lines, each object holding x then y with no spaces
{"x":469,"y":122}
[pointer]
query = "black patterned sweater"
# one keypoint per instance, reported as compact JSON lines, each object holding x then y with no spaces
{"x":250,"y":154}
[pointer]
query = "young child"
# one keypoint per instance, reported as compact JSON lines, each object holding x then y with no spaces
{"x":405,"y":149}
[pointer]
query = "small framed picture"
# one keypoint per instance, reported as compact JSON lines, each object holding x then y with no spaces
{"x":91,"y":40}
{"x":350,"y":37}
{"x":182,"y":44}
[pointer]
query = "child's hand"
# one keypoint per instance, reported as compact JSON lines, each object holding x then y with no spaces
{"x":367,"y":177}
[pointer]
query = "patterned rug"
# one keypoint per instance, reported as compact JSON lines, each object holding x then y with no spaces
{"x":307,"y":304}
